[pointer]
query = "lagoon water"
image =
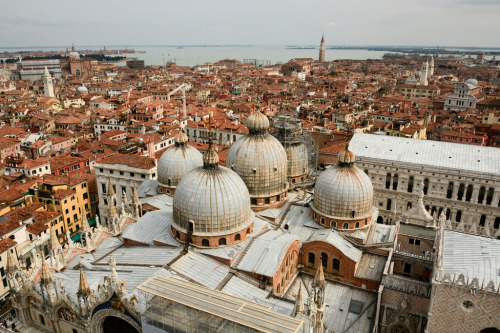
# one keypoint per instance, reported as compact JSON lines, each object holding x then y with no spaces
{"x":197,"y":55}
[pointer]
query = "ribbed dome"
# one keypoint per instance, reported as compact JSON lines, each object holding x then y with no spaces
{"x":257,"y":123}
{"x":298,"y":159}
{"x":215,"y":199}
{"x":342,"y":190}
{"x":177,"y":161}
{"x":260,"y":160}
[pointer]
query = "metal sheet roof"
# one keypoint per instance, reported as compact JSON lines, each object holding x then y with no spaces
{"x":439,"y":154}
{"x":473,"y":256}
{"x":231,"y":308}
{"x":264,"y":254}
{"x":334,"y":238}
{"x":152,"y":226}
{"x":201,"y":268}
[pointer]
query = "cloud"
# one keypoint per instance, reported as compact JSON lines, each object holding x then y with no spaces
{"x":331,"y":25}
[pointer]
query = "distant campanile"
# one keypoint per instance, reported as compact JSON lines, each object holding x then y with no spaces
{"x":322,"y":49}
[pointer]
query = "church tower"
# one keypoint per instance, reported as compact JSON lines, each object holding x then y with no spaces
{"x":423,"y":73}
{"x":322,"y":49}
{"x":431,"y":67}
{"x":48,"y":85}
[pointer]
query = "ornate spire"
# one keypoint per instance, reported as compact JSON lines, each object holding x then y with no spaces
{"x":83,"y":288}
{"x":111,"y":190}
{"x":319,"y":278}
{"x":112,"y":209}
{"x":125,"y":198}
{"x":299,"y":302}
{"x":135,"y":198}
{"x":46,"y":277}
{"x":54,"y":242}
{"x":85,"y":222}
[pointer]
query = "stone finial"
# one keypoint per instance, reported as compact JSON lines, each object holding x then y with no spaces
{"x":112,"y":209}
{"x":111,"y":190}
{"x":85,"y":222}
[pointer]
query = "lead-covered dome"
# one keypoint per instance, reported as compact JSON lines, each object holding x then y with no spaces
{"x":261,"y":161}
{"x":213,"y":203}
{"x":343,"y":193}
{"x":298,"y":160}
{"x":176,"y":162}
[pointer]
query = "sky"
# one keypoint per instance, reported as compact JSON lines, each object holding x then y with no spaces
{"x":257,"y":22}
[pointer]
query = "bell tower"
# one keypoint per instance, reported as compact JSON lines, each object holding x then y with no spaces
{"x":322,"y":49}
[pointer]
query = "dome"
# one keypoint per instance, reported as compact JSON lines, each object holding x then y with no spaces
{"x":473,"y":82}
{"x":177,"y":161}
{"x":82,"y":90}
{"x":257,"y":122}
{"x":261,"y":161}
{"x":74,"y":55}
{"x":213,"y":198}
{"x":344,"y":191}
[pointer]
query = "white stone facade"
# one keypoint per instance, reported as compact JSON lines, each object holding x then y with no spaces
{"x":123,"y":178}
{"x":461,"y":99}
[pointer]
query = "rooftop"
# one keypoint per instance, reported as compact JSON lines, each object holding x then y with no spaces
{"x":439,"y":154}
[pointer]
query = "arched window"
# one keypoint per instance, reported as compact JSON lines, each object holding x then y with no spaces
{"x":74,"y":331}
{"x":324,"y":259}
{"x":482,"y":221}
{"x":480,"y":197}
{"x":77,"y":72}
{"x":334,"y":224}
{"x":177,"y":234}
{"x":459,"y":216}
{"x":408,"y":206}
{"x":42,"y":319}
{"x":357,"y":225}
{"x":461,"y":190}
{"x":448,"y":213}
{"x":389,"y":204}
{"x":205,"y":242}
{"x":311,"y":259}
{"x":433,"y":210}
{"x":410,"y":184}
{"x":496,"y":225}
{"x":248,"y":231}
{"x":388,"y":181}
{"x":426,"y":185}
{"x":489,"y":197}
{"x":322,"y":220}
{"x":380,"y":219}
{"x":449,"y":192}
{"x":395,"y":182}
{"x":468,"y":194}
{"x":222,"y":241}
{"x":336,"y":264}
{"x":237,"y":237}
{"x":346,"y":225}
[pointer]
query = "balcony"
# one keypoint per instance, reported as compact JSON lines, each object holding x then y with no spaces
{"x":45,"y":193}
{"x":409,"y":286}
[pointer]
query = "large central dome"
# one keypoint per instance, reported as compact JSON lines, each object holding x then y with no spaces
{"x":211,"y":205}
{"x":343,"y":195}
{"x":260,"y":160}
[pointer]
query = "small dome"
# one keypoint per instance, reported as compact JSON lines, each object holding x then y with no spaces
{"x":177,"y":161}
{"x":214,"y":199}
{"x":257,"y":122}
{"x":74,"y":55}
{"x":344,"y":191}
{"x":473,"y":82}
{"x":82,"y":90}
